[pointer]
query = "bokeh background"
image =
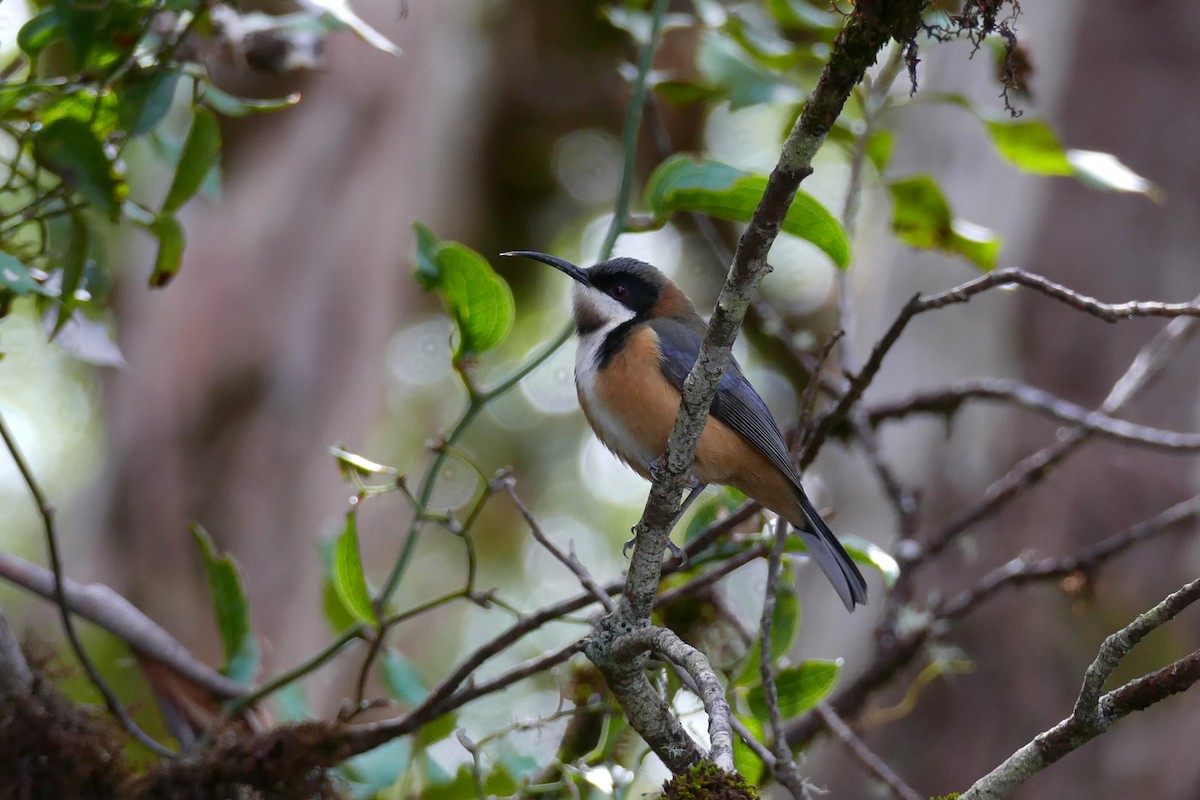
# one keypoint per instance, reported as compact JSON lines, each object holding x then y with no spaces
{"x":296,"y":324}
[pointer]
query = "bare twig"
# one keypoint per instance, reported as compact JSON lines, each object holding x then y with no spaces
{"x":115,"y":706}
{"x":947,"y":400}
{"x":1110,"y":312}
{"x":859,"y":751}
{"x":1023,"y":570}
{"x":1095,"y":713}
{"x":103,"y":606}
{"x":1142,"y":372}
{"x":568,"y":560}
{"x":785,"y":769}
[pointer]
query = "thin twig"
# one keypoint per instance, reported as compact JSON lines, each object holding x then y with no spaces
{"x":115,"y":707}
{"x":866,"y":757}
{"x":1086,"y":561}
{"x":1095,"y":713}
{"x":1145,"y":368}
{"x":567,"y":560}
{"x":1110,"y":312}
{"x":947,"y":400}
{"x":785,"y":769}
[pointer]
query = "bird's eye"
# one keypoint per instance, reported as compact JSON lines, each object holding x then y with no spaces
{"x":620,"y":291}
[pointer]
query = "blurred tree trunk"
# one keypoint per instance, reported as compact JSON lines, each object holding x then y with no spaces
{"x":270,"y":345}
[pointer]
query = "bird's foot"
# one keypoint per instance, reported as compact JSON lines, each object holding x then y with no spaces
{"x":658,"y":467}
{"x":675,"y":549}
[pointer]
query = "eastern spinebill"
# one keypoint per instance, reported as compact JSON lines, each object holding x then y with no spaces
{"x":639,"y":337}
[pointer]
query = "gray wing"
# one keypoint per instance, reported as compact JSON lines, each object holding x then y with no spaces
{"x":736,"y":403}
{"x":740,"y":407}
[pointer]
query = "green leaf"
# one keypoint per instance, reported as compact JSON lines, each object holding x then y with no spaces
{"x":722,"y":62}
{"x":69,"y":148}
{"x":344,"y":16}
{"x":39,"y":31}
{"x":15,"y":277}
{"x":79,"y":21}
{"x":477,"y":298}
{"x":872,"y":555}
{"x":785,"y":622}
{"x":800,"y":688}
{"x":170,"y":249}
{"x":921,"y":218}
{"x":232,"y":610}
{"x":747,"y":762}
{"x":145,"y":98}
{"x":360,"y":464}
{"x":336,"y":614}
{"x":682,"y":183}
{"x":1029,"y":145}
{"x":709,"y":509}
{"x":199,"y":156}
{"x":436,"y":730}
{"x":380,"y":767}
{"x":73,"y":264}
{"x":879,"y":149}
{"x":292,"y":702}
{"x":402,"y":679}
{"x":1105,"y":171}
{"x":348,"y":576}
{"x":462,"y":787}
{"x":232,"y":106}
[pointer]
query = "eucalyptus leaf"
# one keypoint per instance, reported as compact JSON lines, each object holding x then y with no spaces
{"x":15,"y":277}
{"x":40,"y":31}
{"x":402,"y":679}
{"x":145,"y":98}
{"x":232,"y":106}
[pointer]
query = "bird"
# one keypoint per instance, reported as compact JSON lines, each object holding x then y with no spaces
{"x":639,"y":337}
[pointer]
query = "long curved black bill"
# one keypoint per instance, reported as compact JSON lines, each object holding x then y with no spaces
{"x":559,"y":264}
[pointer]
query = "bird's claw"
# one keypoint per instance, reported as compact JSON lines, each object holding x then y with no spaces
{"x":657,"y":469}
{"x":675,"y":549}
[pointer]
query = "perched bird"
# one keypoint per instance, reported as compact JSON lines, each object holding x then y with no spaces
{"x":639,"y":337}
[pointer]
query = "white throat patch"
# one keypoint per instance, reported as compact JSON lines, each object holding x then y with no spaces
{"x":594,"y":306}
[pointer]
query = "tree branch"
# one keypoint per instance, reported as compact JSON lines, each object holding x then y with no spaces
{"x":1094,"y":713}
{"x":667,"y":644}
{"x":59,"y":596}
{"x":946,"y":401}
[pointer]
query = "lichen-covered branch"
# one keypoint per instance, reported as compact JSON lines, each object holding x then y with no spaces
{"x":1095,"y":713}
{"x":667,"y":644}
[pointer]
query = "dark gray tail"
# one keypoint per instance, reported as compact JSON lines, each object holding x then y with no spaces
{"x":833,"y":559}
